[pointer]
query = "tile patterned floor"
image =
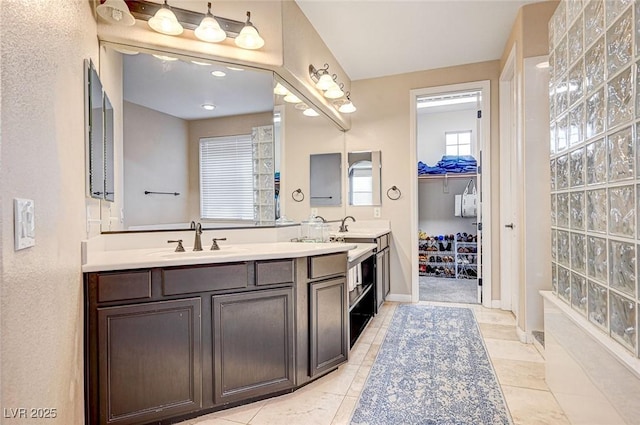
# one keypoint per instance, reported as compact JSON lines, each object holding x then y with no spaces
{"x":332,"y":399}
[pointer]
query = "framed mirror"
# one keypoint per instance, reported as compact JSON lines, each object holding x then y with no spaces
{"x":363,"y":175}
{"x":109,"y":176}
{"x":94,"y":116}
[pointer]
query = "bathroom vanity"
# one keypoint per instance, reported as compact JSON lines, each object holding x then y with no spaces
{"x":170,"y":336}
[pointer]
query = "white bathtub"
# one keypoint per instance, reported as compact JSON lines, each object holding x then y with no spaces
{"x":594,"y":379}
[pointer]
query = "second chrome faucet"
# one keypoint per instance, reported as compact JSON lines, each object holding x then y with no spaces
{"x":197,"y":243}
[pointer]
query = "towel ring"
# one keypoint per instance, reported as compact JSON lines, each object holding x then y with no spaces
{"x":394,"y":189}
{"x":297,"y":195}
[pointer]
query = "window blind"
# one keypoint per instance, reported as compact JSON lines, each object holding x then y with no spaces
{"x":226,"y":178}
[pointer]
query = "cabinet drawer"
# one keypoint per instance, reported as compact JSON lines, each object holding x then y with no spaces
{"x":327,"y":265}
{"x":124,"y":286}
{"x":203,"y":279}
{"x":272,"y":272}
{"x":383,"y":242}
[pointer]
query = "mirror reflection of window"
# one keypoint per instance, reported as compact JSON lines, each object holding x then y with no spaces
{"x":361,"y":183}
{"x":458,"y":142}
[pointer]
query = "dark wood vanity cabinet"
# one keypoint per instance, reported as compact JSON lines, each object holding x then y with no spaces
{"x":382,"y":265}
{"x":150,"y":362}
{"x":253,"y":344}
{"x":164,"y":343}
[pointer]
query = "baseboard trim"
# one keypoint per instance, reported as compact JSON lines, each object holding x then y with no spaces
{"x":398,"y":298}
{"x":496,"y":304}
{"x":524,"y":337}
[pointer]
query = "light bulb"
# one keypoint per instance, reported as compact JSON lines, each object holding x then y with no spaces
{"x":325,"y":82}
{"x":249,"y":37}
{"x":165,"y":21}
{"x":292,"y":98}
{"x":165,"y":58}
{"x":334,"y":92}
{"x":280,"y":90}
{"x":347,"y":108}
{"x":218,"y":74}
{"x":209,"y":106}
{"x":309,"y":112}
{"x":116,"y":12}
{"x":209,"y":30}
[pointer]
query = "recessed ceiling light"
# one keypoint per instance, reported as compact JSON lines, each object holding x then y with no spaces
{"x":218,"y":73}
{"x":233,"y":68}
{"x":310,"y":112}
{"x":292,"y":98}
{"x":209,"y":106}
{"x":201,"y":63}
{"x":301,"y":106}
{"x":165,"y":58}
{"x":543,"y":65}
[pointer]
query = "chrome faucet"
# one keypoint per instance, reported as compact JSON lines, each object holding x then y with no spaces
{"x":324,"y":220}
{"x":343,"y":227}
{"x":197,"y":243}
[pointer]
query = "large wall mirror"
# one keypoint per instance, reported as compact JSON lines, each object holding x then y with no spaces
{"x":178,"y":111}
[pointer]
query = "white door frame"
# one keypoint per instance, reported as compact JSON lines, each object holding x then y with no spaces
{"x":509,"y":289}
{"x":484,"y":145}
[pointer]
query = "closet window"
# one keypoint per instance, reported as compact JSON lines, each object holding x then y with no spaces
{"x":226,"y":182}
{"x":458,"y":142}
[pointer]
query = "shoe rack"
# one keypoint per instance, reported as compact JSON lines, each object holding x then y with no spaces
{"x":466,"y":256}
{"x":436,"y":255}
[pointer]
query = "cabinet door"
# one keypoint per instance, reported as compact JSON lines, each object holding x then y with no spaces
{"x":149,"y":361}
{"x":386,"y":279}
{"x":253,"y":344}
{"x":328,"y":326}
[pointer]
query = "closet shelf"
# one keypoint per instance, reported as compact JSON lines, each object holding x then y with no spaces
{"x":446,"y":176}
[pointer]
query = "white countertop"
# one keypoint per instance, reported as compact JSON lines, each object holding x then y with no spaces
{"x":165,"y":256}
{"x":361,"y":249}
{"x":360,"y":233}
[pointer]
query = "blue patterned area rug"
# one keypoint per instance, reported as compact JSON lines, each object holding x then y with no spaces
{"x":432,"y":368}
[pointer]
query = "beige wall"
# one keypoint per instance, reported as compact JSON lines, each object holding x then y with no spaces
{"x":382,"y":123}
{"x":156,"y":158}
{"x":215,"y":127}
{"x":42,"y":131}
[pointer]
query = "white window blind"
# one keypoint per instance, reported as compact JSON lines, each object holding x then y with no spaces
{"x":226,"y":178}
{"x":458,"y":142}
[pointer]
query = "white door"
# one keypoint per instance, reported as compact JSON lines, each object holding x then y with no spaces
{"x":509,"y":190}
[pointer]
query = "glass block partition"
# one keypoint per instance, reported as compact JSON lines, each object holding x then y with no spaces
{"x":263,"y":175}
{"x":594,"y":97}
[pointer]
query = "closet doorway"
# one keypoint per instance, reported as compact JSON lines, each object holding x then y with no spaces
{"x":449,"y":142}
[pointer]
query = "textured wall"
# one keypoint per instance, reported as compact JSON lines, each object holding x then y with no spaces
{"x":42,"y":129}
{"x":594,"y":179}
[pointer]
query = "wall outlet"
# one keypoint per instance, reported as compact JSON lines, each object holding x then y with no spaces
{"x":24,"y":223}
{"x":376,"y":212}
{"x":314,"y":211}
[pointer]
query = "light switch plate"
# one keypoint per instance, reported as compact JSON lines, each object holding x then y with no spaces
{"x":24,"y":223}
{"x":376,"y":212}
{"x":314,"y":211}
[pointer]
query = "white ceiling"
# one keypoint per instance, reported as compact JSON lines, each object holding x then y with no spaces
{"x":374,"y":38}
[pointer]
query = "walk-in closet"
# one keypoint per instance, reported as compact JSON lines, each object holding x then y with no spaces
{"x":448,"y":197}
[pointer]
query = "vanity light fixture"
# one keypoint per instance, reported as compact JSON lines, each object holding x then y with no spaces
{"x":125,"y":51}
{"x":233,"y":68}
{"x":326,"y":83}
{"x":209,"y":106}
{"x":116,"y":12}
{"x":165,"y":21}
{"x":201,"y":63}
{"x":249,"y":37}
{"x":218,"y":74}
{"x":310,"y":112}
{"x":209,"y":28}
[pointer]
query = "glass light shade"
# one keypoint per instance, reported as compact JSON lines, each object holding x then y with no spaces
{"x":249,"y":38}
{"x":325,"y":82}
{"x":165,"y":58}
{"x":280,"y":90}
{"x":347,"y":108}
{"x":165,"y":22}
{"x":209,"y":30}
{"x":292,"y":98}
{"x":116,"y":12}
{"x":309,"y":112}
{"x":334,"y":92}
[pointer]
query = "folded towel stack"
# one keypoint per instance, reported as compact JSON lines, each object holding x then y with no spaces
{"x":354,"y":277}
{"x":450,"y":164}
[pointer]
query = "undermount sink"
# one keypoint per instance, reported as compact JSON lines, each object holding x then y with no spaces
{"x":225,"y":250}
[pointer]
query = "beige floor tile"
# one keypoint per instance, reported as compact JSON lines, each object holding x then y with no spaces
{"x":343,"y":416}
{"x":494,"y":316}
{"x":512,"y":350}
{"x":371,"y":355}
{"x":299,"y":408}
{"x":517,"y":373}
{"x":358,"y":352}
{"x":379,"y":339}
{"x":533,"y":407}
{"x":337,"y":382}
{"x":490,"y":330}
{"x":212,"y":421}
{"x":358,"y":381}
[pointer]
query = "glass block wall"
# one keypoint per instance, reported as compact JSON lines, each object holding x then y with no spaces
{"x":263,"y":175}
{"x":595,"y":184}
